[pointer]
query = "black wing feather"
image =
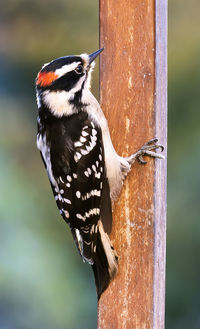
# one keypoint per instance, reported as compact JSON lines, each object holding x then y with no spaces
{"x":82,"y":190}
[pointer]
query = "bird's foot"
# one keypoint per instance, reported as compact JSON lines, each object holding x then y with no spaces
{"x":147,"y":149}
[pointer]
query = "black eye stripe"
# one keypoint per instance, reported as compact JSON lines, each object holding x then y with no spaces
{"x":66,"y":81}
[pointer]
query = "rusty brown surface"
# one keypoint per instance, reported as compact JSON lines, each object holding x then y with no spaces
{"x":127,"y":90}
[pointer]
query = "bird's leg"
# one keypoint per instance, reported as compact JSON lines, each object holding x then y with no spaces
{"x":147,"y":149}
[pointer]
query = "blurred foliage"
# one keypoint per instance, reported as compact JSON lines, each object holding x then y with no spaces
{"x":183,"y":238}
{"x":43,"y":283}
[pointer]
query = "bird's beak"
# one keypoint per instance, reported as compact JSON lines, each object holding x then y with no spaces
{"x":94,"y":55}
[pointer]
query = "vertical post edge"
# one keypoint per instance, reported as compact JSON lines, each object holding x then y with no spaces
{"x":160,"y":194}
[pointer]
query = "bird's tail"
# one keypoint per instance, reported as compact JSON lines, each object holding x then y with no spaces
{"x":106,"y":261}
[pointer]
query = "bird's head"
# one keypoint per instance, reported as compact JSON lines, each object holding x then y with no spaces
{"x":61,"y":84}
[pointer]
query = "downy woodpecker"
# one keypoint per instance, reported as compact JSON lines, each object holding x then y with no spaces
{"x":83,"y":167}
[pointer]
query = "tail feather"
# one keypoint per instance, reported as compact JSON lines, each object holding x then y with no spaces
{"x":95,"y":247}
{"x":105,"y":263}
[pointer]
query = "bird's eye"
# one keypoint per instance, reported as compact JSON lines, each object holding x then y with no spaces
{"x":79,"y":69}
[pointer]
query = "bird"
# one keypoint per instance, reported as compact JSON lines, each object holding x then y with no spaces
{"x":85,"y":172}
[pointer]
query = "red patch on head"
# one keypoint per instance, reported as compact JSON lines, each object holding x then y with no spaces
{"x":45,"y":79}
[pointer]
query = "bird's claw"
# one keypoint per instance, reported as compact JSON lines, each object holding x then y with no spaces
{"x":152,"y":144}
{"x":147,"y":149}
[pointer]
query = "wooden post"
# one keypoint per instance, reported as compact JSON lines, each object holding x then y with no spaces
{"x":133,"y":97}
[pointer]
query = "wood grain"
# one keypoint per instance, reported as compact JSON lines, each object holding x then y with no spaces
{"x":128,"y":88}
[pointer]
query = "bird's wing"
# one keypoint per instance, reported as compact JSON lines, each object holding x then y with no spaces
{"x":81,"y":188}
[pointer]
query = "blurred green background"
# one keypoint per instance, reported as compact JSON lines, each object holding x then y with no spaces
{"x":43,"y":283}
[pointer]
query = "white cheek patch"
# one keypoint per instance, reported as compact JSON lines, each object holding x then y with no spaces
{"x":59,"y":101}
{"x":66,"y":68}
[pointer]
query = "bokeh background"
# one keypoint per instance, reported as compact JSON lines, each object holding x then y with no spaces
{"x":43,"y":283}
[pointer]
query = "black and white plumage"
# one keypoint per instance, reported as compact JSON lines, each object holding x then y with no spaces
{"x":84,"y":170}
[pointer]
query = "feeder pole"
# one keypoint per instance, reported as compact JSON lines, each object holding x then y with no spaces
{"x":133,"y":89}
